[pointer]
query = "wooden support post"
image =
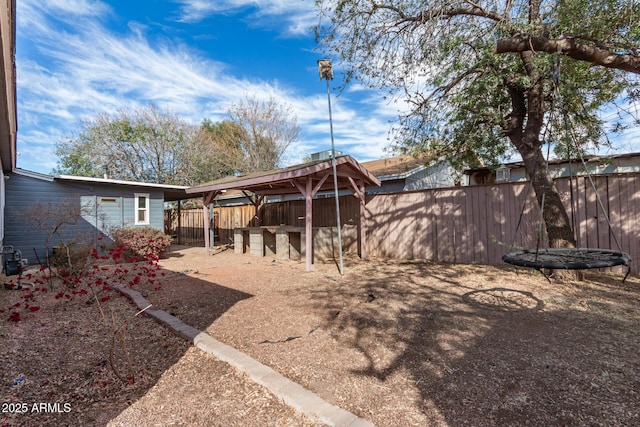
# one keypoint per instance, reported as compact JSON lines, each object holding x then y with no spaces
{"x":179,"y":230}
{"x":308,"y":190}
{"x":363,"y":221}
{"x":205,"y":210}
{"x":358,"y":192}
{"x":206,"y":201}
{"x":308,"y":196}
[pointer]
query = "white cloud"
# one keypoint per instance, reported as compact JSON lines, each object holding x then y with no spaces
{"x":74,"y":69}
{"x":299,"y":15}
{"x":71,"y":8}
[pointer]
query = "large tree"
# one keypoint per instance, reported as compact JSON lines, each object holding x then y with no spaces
{"x":145,"y":144}
{"x":268,"y":128}
{"x":150,"y":145}
{"x":481,"y":77}
{"x":214,"y":152}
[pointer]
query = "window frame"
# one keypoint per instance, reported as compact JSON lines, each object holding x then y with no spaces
{"x":137,"y":209}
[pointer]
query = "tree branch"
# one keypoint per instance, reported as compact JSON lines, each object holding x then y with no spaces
{"x":573,"y":48}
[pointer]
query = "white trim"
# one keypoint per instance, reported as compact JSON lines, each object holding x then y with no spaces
{"x":137,"y":209}
{"x":51,"y":178}
{"x":118,"y":181}
{"x":35,"y":175}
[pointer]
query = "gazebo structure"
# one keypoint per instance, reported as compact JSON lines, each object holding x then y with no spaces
{"x":308,"y":179}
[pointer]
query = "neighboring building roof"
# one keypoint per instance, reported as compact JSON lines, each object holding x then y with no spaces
{"x":394,"y":167}
{"x":588,"y":158}
{"x":8,"y":112}
{"x":172,"y":192}
{"x":399,"y":167}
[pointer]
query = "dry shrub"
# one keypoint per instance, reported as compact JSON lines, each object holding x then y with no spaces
{"x":142,"y":242}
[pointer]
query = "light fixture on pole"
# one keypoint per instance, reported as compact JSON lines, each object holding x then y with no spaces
{"x":326,"y":72}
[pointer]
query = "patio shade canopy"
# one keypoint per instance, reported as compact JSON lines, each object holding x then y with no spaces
{"x":306,"y":178}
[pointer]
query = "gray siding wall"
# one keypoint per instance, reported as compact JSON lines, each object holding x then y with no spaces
{"x":104,"y":206}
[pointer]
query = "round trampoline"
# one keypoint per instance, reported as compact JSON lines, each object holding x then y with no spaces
{"x":567,"y":258}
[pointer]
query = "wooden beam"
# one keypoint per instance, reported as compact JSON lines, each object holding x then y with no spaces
{"x":299,"y":186}
{"x":319,"y":184}
{"x":357,"y":191}
{"x":208,"y":197}
{"x":256,"y":200}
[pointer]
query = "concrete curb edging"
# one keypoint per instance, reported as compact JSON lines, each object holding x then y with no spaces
{"x":291,"y":393}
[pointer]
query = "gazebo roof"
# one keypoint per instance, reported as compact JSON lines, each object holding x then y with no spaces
{"x":282,"y":181}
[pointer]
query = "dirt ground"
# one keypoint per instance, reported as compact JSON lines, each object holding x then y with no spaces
{"x":399,"y":343}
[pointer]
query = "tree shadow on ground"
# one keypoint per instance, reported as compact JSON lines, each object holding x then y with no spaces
{"x":65,"y":349}
{"x":527,"y":354}
{"x":177,"y":297}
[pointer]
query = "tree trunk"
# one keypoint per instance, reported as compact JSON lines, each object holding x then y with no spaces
{"x":523,"y":127}
{"x":554,"y":214}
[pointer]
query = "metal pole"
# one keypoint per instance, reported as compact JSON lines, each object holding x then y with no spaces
{"x":335,"y":178}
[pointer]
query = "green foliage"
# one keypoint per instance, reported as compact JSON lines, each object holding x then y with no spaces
{"x":482,"y":79}
{"x":214,"y":153}
{"x":262,"y":130}
{"x":145,"y":243}
{"x":441,"y":58}
{"x":139,"y":145}
{"x":150,"y":145}
{"x":75,"y":159}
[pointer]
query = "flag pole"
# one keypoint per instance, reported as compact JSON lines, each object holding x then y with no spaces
{"x":326,"y":72}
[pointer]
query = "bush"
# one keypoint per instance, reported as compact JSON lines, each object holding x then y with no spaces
{"x":72,"y":259}
{"x":142,"y":242}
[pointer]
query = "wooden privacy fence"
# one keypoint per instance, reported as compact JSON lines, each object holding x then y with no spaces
{"x":475,"y":224}
{"x":185,"y":226}
{"x":478,"y":224}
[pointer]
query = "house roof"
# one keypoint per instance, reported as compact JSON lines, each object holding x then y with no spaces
{"x":171,"y":192}
{"x":281,"y":181}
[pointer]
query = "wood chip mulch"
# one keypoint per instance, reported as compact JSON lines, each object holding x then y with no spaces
{"x":395,"y":342}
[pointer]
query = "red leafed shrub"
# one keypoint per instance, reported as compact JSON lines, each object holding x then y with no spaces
{"x":140,"y":242}
{"x":14,"y":317}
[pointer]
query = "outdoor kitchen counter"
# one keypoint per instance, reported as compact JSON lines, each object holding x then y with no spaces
{"x":283,"y":241}
{"x":270,"y":240}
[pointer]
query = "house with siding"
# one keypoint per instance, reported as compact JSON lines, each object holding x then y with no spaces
{"x":408,"y":173}
{"x":558,"y":168}
{"x":36,"y":203}
{"x":8,"y":116}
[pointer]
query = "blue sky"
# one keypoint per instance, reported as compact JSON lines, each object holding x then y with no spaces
{"x":193,"y":58}
{"x":78,"y":58}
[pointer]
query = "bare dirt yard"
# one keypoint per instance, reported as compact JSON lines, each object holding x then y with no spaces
{"x":399,"y":343}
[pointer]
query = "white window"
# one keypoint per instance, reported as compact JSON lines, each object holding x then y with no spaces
{"x":503,"y":174}
{"x":141,"y":213}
